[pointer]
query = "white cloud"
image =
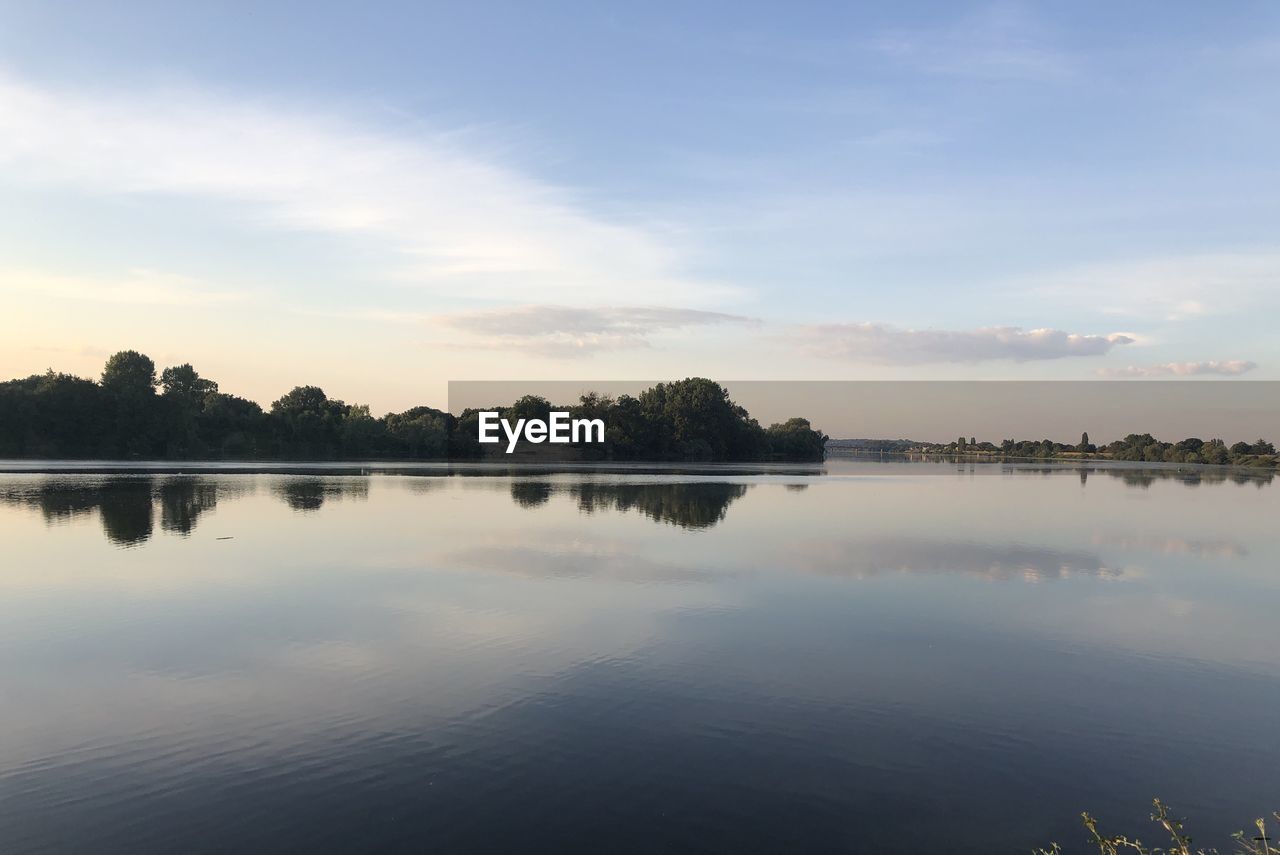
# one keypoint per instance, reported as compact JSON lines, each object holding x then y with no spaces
{"x":452,"y":219}
{"x":565,"y":331}
{"x":1229,"y":368}
{"x":885,"y":344}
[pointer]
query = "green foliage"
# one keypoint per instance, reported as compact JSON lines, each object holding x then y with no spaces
{"x":1179,"y":842}
{"x":694,"y":419}
{"x":129,"y":373}
{"x":1135,"y":446}
{"x":181,"y":382}
{"x":57,"y":415}
{"x":795,"y":439}
{"x":1191,"y":450}
{"x":421,"y":432}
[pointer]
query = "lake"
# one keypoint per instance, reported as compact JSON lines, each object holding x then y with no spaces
{"x":859,"y":656}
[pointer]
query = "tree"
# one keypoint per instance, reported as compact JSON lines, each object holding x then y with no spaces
{"x":1084,"y":447}
{"x":695,"y":417}
{"x":233,"y":427}
{"x":307,"y":423}
{"x":129,"y":373}
{"x":58,"y":415}
{"x":362,"y":434}
{"x":184,"y":397}
{"x":1215,"y":452}
{"x":181,"y":382}
{"x":129,"y":381}
{"x":421,"y":432}
{"x":528,"y":407}
{"x":795,"y":439}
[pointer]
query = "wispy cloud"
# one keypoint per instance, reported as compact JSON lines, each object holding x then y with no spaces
{"x":450,"y":217}
{"x":872,"y":342}
{"x":563,"y":331}
{"x":1228,"y":368}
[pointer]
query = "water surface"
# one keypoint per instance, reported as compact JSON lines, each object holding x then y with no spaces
{"x":856,"y":657}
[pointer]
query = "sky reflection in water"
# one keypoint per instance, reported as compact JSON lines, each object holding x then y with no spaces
{"x":881,"y":657}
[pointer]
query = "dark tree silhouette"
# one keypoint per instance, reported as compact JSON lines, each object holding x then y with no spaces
{"x":122,"y":416}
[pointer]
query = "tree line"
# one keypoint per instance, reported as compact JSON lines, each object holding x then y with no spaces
{"x":1135,"y":446}
{"x":135,"y":412}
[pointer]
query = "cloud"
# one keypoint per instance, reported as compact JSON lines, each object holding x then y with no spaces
{"x":564,"y":331}
{"x":450,"y":217}
{"x":993,"y":561}
{"x":1176,"y":288}
{"x":881,"y":343}
{"x":1229,"y":368}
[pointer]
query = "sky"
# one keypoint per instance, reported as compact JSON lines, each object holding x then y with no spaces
{"x":379,"y":198}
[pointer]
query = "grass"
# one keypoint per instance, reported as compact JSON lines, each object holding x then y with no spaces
{"x":1179,"y":841}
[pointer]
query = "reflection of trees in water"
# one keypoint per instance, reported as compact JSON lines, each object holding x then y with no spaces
{"x":530,"y":494}
{"x":1191,"y":477}
{"x":308,"y":493}
{"x":127,"y":512}
{"x":1145,"y":477}
{"x":183,"y":500}
{"x":688,"y":505}
{"x":693,"y":505}
{"x":124,"y":504}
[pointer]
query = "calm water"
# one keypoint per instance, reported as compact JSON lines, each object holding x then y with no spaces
{"x":859,"y":657}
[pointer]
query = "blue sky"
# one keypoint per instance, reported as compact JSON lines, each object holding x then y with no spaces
{"x":379,"y":199}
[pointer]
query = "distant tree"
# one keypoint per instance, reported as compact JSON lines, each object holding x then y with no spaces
{"x":528,"y":407}
{"x":129,"y":372}
{"x":595,"y":406}
{"x":307,"y":424}
{"x":795,"y":439}
{"x":960,"y":444}
{"x":1215,"y":452}
{"x":1263,"y":447}
{"x":56,"y":415}
{"x":464,"y":440}
{"x":421,"y":432}
{"x":695,"y":417}
{"x":1084,"y":446}
{"x":129,"y":381}
{"x":233,"y":427}
{"x":362,"y":435}
{"x":182,"y":382}
{"x":184,"y":397}
{"x":627,"y":433}
{"x":973,"y":442}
